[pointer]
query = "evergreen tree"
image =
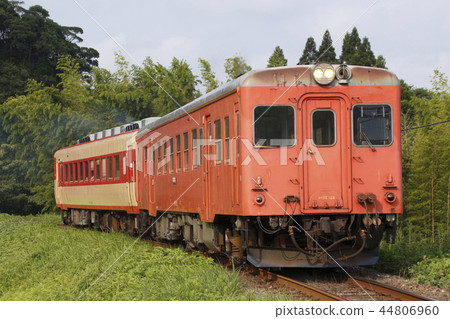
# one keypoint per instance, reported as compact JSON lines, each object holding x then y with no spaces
{"x":235,"y":67}
{"x":350,"y":46}
{"x":208,"y":77}
{"x":326,"y":51}
{"x":277,"y":58}
{"x":309,"y":53}
{"x":364,"y":55}
{"x":380,"y":62}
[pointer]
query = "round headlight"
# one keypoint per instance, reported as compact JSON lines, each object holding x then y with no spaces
{"x":324,"y":73}
{"x":318,"y":74}
{"x":329,"y":73}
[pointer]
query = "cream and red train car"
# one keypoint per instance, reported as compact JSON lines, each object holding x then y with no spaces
{"x":286,"y":167}
{"x":95,"y":178}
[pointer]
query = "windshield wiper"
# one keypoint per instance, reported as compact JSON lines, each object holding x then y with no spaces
{"x":362,"y":134}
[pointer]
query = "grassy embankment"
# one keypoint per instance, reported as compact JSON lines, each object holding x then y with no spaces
{"x":417,"y":258}
{"x":38,"y":261}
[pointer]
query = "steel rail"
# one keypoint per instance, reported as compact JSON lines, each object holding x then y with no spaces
{"x":313,"y":292}
{"x":388,"y":290}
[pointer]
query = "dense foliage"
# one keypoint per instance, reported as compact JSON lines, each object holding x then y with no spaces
{"x":426,"y":158}
{"x":417,"y":258}
{"x":41,"y":262}
{"x":30,"y":46}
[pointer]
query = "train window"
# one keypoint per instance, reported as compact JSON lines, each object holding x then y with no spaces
{"x":227,"y":140}
{"x":172,"y":161}
{"x":110,"y":168}
{"x":97,"y":169}
{"x":124,"y":165}
{"x":61,"y":173}
{"x":159,"y":151}
{"x":80,"y":168}
{"x":116,"y":167}
{"x":92,"y":174}
{"x":178,"y":153}
{"x":159,"y":158}
{"x":323,"y":127}
{"x":145,"y":159}
{"x":237,"y":133}
{"x":200,"y":136}
{"x":104,"y":169}
{"x":86,"y":171}
{"x":218,"y":141}
{"x":194,"y":149}
{"x":186,"y":150}
{"x":71,"y":172}
{"x":153,"y":160}
{"x":166,"y":162}
{"x":75,"y":175}
{"x":372,"y":125}
{"x":66,"y":178}
{"x":273,"y":126}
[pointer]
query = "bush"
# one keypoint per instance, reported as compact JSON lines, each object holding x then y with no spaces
{"x":420,"y":260}
{"x":434,"y":271}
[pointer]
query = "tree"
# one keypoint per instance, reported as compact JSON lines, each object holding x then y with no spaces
{"x":235,"y":67}
{"x":427,"y":182}
{"x":350,"y":46}
{"x":208,"y":77}
{"x":309,"y":52}
{"x":177,"y":87}
{"x":277,"y":58}
{"x":30,"y":46}
{"x":364,"y":55}
{"x":45,"y":119}
{"x":143,"y":91}
{"x":122,"y":92}
{"x":380,"y":62}
{"x":326,"y":51}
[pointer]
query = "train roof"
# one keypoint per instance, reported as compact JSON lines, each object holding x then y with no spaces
{"x":287,"y":76}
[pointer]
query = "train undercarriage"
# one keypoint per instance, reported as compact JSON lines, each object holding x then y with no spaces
{"x":311,"y":241}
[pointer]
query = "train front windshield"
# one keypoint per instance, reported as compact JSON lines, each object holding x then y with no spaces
{"x":372,"y":125}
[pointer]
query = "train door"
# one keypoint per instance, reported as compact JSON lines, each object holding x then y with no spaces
{"x":325,"y":155}
{"x":207,"y":164}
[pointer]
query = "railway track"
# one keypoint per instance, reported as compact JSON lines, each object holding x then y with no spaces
{"x":338,"y":287}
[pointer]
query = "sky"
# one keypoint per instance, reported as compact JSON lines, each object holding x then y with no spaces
{"x":412,"y":35}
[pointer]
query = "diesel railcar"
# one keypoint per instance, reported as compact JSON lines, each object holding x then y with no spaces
{"x":295,"y":166}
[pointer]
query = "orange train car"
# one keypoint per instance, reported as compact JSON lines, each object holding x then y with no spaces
{"x":284,"y":167}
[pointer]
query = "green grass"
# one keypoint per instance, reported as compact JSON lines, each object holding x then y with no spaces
{"x":38,"y":261}
{"x":419,"y":259}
